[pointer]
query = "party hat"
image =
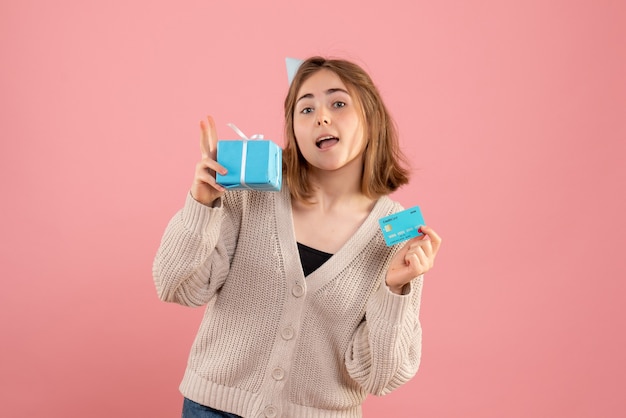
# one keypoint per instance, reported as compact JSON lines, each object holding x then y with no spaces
{"x":292,"y":67}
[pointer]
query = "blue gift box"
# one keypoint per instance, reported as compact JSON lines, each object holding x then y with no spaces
{"x":252,"y":164}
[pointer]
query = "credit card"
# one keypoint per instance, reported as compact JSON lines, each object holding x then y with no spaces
{"x":401,"y":226}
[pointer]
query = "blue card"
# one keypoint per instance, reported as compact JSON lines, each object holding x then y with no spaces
{"x":402,"y":226}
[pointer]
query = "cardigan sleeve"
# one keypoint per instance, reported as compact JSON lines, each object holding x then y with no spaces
{"x":385,"y":351}
{"x":193,"y":258}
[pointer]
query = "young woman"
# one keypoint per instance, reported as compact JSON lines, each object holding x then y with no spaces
{"x":308,"y":310}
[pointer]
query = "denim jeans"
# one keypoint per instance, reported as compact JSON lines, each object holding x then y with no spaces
{"x":192,"y":409}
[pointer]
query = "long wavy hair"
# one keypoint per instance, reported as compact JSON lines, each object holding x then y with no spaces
{"x":385,"y":168}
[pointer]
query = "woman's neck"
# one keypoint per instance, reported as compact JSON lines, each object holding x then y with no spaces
{"x":335,"y":211}
{"x":338,"y":189}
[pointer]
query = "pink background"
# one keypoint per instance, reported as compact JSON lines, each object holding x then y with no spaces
{"x":512,"y":112}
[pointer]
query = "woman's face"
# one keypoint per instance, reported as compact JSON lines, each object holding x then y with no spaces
{"x":327,"y":123}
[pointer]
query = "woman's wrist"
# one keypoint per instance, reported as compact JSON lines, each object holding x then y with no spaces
{"x":398,"y":290}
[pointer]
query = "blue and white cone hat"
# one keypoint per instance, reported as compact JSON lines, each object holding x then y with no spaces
{"x":292,"y":67}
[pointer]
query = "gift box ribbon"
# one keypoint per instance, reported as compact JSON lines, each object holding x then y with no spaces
{"x":244,"y":151}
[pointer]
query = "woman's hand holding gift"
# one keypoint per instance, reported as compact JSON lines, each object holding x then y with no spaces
{"x":205,"y":189}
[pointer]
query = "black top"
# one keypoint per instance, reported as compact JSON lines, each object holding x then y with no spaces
{"x":311,"y":259}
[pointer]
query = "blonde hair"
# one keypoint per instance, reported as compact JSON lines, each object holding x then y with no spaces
{"x":384,"y":166}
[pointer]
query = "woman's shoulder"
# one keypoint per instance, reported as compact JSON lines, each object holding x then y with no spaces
{"x":385,"y":205}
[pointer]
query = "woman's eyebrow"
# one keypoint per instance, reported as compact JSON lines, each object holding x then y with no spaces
{"x":331,"y":91}
{"x":328,"y":92}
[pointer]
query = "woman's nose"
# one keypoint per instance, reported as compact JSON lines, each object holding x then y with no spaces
{"x":323,"y":119}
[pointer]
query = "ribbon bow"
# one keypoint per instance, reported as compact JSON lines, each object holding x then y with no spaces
{"x":244,"y":151}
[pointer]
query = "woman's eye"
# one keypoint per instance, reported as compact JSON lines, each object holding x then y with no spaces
{"x":306,"y":110}
{"x":339,"y":104}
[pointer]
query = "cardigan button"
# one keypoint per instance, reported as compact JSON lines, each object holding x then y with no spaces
{"x":297,"y":291}
{"x":278,"y":373}
{"x":270,"y":411}
{"x":287,"y":333}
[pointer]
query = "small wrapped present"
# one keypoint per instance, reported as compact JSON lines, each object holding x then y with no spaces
{"x":252,"y":163}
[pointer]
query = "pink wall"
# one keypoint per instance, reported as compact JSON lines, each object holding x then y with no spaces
{"x":514,"y":112}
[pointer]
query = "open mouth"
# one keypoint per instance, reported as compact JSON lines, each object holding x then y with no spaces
{"x":326,"y":142}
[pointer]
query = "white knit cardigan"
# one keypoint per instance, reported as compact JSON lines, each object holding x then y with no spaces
{"x":273,"y":343}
